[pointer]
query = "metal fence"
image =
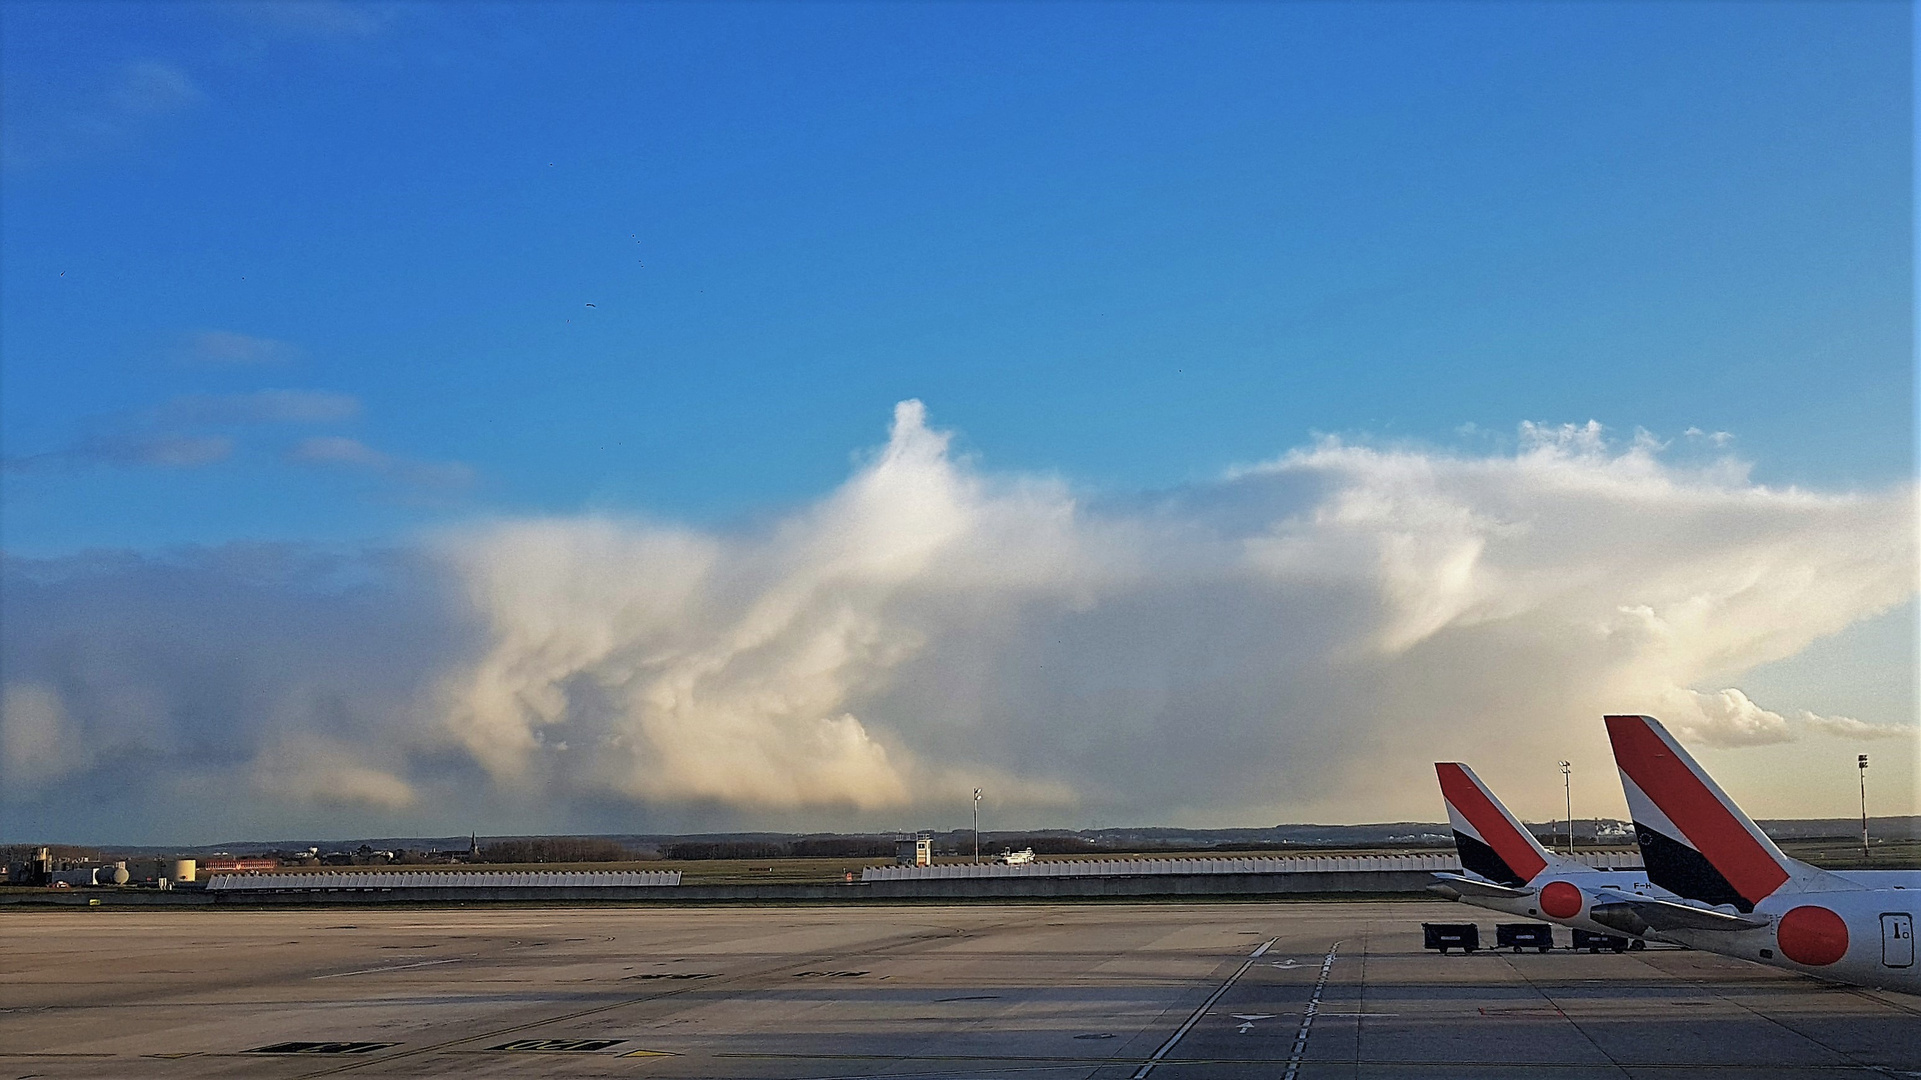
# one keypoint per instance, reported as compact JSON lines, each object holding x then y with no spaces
{"x":378,"y":879}
{"x":1304,"y":864}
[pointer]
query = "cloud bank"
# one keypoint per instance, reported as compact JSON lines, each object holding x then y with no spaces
{"x":1296,"y":640}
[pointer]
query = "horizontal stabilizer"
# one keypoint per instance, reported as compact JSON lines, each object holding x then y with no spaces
{"x":1465,"y":886}
{"x":1639,"y":914}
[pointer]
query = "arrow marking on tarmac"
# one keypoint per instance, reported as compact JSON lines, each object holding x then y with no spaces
{"x":1155,"y":1059}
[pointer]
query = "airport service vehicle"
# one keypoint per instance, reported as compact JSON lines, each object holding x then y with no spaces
{"x":1508,"y":870}
{"x":1735,"y":892}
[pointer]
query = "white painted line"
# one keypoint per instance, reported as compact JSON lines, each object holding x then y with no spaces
{"x":1307,"y":1018}
{"x":1155,"y":1059}
{"x":1247,"y":1020}
{"x":395,"y":967}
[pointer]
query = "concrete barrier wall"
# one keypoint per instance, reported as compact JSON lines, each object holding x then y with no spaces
{"x":453,"y":879}
{"x":1035,"y":888}
{"x":1306,"y":864}
{"x":1147,"y":886}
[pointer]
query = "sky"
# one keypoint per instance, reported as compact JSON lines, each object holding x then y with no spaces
{"x":649,"y":417}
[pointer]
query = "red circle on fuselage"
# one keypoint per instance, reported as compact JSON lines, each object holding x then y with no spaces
{"x":1812,"y":935}
{"x":1561,"y":900}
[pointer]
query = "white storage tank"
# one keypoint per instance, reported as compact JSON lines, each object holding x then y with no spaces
{"x":182,"y":870}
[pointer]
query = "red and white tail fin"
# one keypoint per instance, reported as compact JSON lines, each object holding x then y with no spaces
{"x":1695,"y":841}
{"x":1493,"y":843}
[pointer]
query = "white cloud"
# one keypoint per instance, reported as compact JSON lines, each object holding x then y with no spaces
{"x":239,"y":350}
{"x":151,"y":88}
{"x":1850,"y":728}
{"x":131,"y":450}
{"x":1299,"y":640}
{"x":260,"y":407}
{"x":167,"y":437}
{"x":307,"y":769}
{"x":315,"y":18}
{"x":1714,"y":438}
{"x":38,"y":741}
{"x":1726,"y":718}
{"x":713,"y":668}
{"x":105,"y":111}
{"x":1338,"y":617}
{"x":341,"y":451}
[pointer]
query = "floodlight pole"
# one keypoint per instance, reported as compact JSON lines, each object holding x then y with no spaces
{"x":977,"y":825}
{"x":1567,"y":792}
{"x":1861,"y":763}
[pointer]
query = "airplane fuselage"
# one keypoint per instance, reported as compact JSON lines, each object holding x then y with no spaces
{"x":1864,"y":936}
{"x":1564,"y":898}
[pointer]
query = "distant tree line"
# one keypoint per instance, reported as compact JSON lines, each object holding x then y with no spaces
{"x":1042,"y":845}
{"x":830,"y":847}
{"x":558,"y":849}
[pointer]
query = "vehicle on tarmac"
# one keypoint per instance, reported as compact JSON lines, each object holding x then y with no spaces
{"x":1735,"y":893}
{"x":1506,"y":869}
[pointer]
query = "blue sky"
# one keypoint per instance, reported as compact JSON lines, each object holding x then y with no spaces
{"x":398,"y":400}
{"x":1131,"y":244}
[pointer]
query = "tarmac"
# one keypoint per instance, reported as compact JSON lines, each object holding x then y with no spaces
{"x":1173,"y":991}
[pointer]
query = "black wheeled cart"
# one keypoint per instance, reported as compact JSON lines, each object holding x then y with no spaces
{"x":1538,"y":936}
{"x":1594,"y":943}
{"x":1464,"y":936}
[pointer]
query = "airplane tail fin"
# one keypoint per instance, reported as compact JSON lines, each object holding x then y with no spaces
{"x":1695,"y":841}
{"x":1493,"y":843}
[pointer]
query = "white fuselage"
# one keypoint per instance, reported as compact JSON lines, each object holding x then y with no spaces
{"x":1588,"y":882}
{"x":1880,"y":937}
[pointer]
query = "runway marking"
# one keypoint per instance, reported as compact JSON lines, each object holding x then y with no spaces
{"x":556,"y":1046}
{"x":460,"y":926}
{"x":392,"y":967}
{"x":1247,"y":1020}
{"x":875,"y":945}
{"x":1148,"y":1065}
{"x":322,"y":1048}
{"x":1307,"y":1018}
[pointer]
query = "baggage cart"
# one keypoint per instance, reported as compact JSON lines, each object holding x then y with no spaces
{"x":1447,"y":935}
{"x":1594,"y":943}
{"x":1538,"y":936}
